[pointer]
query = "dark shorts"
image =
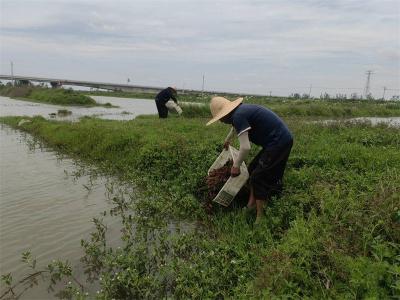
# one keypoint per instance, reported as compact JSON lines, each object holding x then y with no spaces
{"x":266,"y":171}
{"x":162,"y":109}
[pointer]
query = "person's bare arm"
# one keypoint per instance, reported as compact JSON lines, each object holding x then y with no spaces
{"x":244,"y":148}
{"x":243,"y":152}
{"x":229,"y":137}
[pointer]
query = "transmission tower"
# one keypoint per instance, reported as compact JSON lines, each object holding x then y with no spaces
{"x":367,"y":85}
{"x":12,"y":73}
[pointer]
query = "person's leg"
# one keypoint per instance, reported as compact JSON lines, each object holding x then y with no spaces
{"x":252,"y":201}
{"x":258,"y":191}
{"x":158,"y":108}
{"x":162,"y":110}
{"x":263,"y":179}
{"x":272,"y":167}
{"x":251,"y":168}
{"x":260,"y":210}
{"x":279,"y":169}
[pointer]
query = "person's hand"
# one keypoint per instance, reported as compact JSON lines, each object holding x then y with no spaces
{"x":235,"y":171}
{"x":226,"y":145}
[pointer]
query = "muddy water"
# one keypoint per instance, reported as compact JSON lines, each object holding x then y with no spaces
{"x":391,"y":121}
{"x":128,"y":109}
{"x":373,"y":121}
{"x":44,"y":207}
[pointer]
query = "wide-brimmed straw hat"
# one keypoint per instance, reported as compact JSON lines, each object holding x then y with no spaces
{"x":221,"y":106}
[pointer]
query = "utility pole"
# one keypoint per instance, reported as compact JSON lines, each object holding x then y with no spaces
{"x":309,"y":92}
{"x":367,"y":85}
{"x":12,"y":73}
{"x":384,"y":92}
{"x":202,"y":88}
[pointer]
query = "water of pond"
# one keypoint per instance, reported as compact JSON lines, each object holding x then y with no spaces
{"x":390,"y":121}
{"x":128,"y":109}
{"x":44,"y":206}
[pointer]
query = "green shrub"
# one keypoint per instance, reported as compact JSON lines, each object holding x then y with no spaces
{"x":61,"y":97}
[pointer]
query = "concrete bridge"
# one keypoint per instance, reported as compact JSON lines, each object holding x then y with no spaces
{"x":57,"y":82}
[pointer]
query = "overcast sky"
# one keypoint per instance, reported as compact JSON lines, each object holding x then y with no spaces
{"x":254,"y":46}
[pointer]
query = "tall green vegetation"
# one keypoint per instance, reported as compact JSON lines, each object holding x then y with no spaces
{"x":49,"y":96}
{"x":334,"y":233}
{"x":312,"y":108}
{"x":284,"y":106}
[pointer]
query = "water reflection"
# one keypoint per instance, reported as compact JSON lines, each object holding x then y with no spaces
{"x":127,"y":109}
{"x":47,"y":205}
{"x":390,"y":121}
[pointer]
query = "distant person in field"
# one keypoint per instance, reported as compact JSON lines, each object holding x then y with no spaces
{"x":261,"y":126}
{"x":163,"y":102}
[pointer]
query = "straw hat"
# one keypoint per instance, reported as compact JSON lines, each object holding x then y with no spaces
{"x":221,"y":106}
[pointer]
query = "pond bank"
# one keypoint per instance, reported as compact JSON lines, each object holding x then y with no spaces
{"x":48,"y":95}
{"x":318,"y":240}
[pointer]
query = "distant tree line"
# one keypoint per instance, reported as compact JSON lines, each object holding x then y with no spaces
{"x":339,"y":96}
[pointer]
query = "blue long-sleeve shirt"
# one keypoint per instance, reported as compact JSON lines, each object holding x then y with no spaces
{"x":265,"y":128}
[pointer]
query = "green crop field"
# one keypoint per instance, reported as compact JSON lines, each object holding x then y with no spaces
{"x":334,"y":233}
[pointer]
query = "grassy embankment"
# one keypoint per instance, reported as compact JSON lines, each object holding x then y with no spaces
{"x":284,"y":106}
{"x":314,"y":108}
{"x":334,"y":233}
{"x":60,"y":96}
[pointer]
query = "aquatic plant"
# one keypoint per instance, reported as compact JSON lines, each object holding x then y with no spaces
{"x":56,"y":271}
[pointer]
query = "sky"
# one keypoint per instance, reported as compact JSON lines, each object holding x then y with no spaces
{"x":276,"y":47}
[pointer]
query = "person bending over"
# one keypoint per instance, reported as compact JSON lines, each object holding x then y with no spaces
{"x":165,"y":96}
{"x":259,"y":125}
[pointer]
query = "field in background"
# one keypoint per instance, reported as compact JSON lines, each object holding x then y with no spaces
{"x":283,"y":106}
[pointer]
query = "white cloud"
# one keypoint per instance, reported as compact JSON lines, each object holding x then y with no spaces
{"x":300,"y":40}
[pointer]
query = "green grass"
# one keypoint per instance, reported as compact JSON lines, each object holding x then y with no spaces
{"x":49,"y":96}
{"x":284,"y":106}
{"x":334,"y":233}
{"x":313,"y":108}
